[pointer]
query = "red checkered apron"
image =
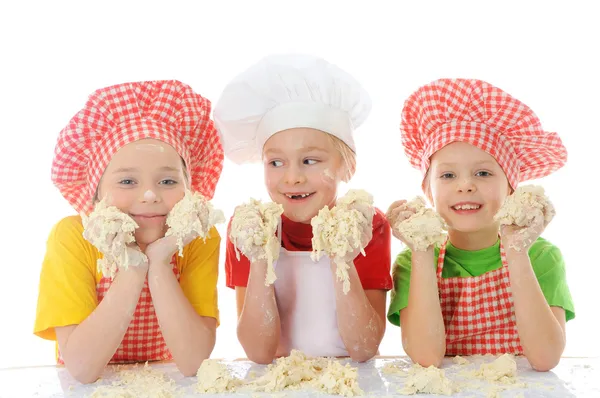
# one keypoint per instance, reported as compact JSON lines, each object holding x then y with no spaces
{"x":479,"y":314}
{"x":143,"y":340}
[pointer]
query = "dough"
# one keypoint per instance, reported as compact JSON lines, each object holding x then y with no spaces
{"x":214,"y":378}
{"x":424,"y":228}
{"x":503,"y":369}
{"x":460,"y":360}
{"x":527,"y":206}
{"x":253,"y":230}
{"x":192,"y":216}
{"x":134,"y":383}
{"x":429,"y":380}
{"x":111,"y":231}
{"x":297,"y":372}
{"x":340,"y":230}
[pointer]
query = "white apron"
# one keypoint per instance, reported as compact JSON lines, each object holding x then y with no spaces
{"x":305,"y":296}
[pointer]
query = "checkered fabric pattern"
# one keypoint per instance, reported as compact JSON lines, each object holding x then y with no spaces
{"x":478,"y":312}
{"x":473,"y":111}
{"x":143,"y":340}
{"x":169,"y":111}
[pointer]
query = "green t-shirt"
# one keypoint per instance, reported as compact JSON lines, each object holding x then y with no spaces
{"x":546,"y":260}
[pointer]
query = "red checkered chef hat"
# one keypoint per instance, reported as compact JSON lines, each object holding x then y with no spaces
{"x":475,"y":112}
{"x":169,"y":111}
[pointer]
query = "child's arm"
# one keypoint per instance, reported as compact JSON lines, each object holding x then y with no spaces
{"x":541,"y":327}
{"x":421,"y":321}
{"x":87,"y":348}
{"x":360,"y":316}
{"x":423,"y":332}
{"x":259,"y":327}
{"x":189,"y":336}
{"x":189,"y":331}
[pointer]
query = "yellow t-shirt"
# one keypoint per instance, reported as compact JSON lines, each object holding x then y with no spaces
{"x":67,"y":292}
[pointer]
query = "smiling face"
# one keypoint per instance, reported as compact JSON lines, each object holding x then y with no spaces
{"x":303,"y":168}
{"x":145,"y":179}
{"x":467,"y":187}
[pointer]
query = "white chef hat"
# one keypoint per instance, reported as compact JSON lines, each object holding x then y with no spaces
{"x":287,"y":91}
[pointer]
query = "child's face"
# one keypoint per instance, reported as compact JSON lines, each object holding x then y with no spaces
{"x":145,"y":179}
{"x":467,"y":186}
{"x":302,"y":172}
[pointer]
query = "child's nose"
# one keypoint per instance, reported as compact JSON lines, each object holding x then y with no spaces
{"x":466,"y":185}
{"x":294,"y":175}
{"x":149,"y":196}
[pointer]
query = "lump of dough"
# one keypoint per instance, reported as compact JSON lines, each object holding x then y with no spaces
{"x":192,"y":216}
{"x":527,"y":206}
{"x":297,"y":372}
{"x":144,"y":383}
{"x":339,"y":230}
{"x":429,"y":380}
{"x":111,"y":231}
{"x":424,"y":228}
{"x":253,"y":230}
{"x":215,"y":378}
{"x":503,"y":369}
{"x":460,"y":360}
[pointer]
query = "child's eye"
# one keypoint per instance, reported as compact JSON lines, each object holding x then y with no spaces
{"x":310,"y":161}
{"x":483,"y":173}
{"x":276,"y":163}
{"x":168,"y":181}
{"x":447,"y":175}
{"x":126,"y":181}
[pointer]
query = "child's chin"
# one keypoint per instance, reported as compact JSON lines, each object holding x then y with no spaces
{"x":303,"y":218}
{"x":148,"y":237}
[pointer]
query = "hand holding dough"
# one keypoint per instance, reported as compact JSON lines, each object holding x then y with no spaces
{"x":253,"y":229}
{"x":418,"y":226}
{"x":192,"y":217}
{"x":524,"y":215}
{"x":344,"y":231}
{"x":111,"y":232}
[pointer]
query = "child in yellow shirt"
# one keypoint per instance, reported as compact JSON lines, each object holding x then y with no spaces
{"x":139,"y":146}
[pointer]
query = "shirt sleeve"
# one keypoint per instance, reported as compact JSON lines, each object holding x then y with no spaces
{"x":199,"y":274}
{"x":374,"y":268}
{"x":67,"y":289}
{"x":549,"y":268}
{"x":237,"y":271}
{"x":399,"y":294}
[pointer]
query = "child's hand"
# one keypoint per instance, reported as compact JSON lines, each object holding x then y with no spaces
{"x":252,"y":235}
{"x":138,"y":261}
{"x":366,"y":233}
{"x":523,"y":217}
{"x":397,"y":213}
{"x":521,"y":238}
{"x":163,"y":249}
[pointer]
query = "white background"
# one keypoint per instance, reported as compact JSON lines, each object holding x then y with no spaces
{"x":54,"y":54}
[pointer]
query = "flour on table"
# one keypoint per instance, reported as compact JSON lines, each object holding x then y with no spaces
{"x":429,"y":380}
{"x":297,"y":372}
{"x":215,"y":378}
{"x":460,"y":360}
{"x":133,"y":383}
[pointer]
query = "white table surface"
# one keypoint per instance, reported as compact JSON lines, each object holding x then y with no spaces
{"x":573,"y":377}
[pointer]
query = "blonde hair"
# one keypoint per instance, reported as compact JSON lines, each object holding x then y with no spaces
{"x":347,"y":154}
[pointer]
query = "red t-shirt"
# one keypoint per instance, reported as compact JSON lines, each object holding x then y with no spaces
{"x":373,"y":269}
